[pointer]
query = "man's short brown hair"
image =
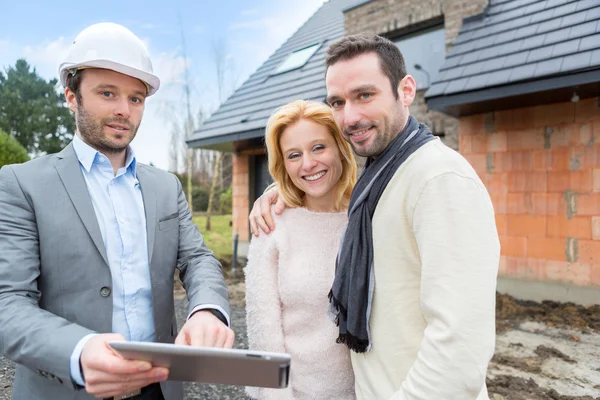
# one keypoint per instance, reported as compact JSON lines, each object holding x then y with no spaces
{"x":390,"y":57}
{"x":74,"y":83}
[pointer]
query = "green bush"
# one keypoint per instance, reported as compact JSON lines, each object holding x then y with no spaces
{"x":11,"y":151}
{"x":199,"y":198}
{"x":226,"y":201}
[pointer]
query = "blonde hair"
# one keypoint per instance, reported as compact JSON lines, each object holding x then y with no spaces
{"x":321,"y":114}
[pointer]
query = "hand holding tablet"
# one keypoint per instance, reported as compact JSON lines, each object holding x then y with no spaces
{"x":211,"y":365}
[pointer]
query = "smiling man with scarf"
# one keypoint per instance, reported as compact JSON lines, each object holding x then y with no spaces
{"x":414,"y":291}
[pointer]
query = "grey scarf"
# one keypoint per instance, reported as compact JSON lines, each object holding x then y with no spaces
{"x":352,"y":291}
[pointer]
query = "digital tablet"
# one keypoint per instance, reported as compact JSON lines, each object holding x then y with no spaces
{"x":211,"y":365}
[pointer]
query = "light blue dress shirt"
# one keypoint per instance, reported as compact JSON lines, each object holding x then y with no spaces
{"x":119,"y":207}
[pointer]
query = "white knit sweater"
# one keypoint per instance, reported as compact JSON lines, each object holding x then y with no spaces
{"x":436,"y":252}
{"x":288,"y":276}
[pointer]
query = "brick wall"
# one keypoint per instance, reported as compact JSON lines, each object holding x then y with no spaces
{"x":541,"y":166}
{"x":388,"y":16}
{"x":240,"y":194}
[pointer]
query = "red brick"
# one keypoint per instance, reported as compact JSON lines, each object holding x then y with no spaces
{"x":560,"y":159}
{"x":531,"y":181}
{"x":562,"y":227}
{"x":595,"y":275}
{"x":497,"y":141}
{"x":588,"y":204}
{"x":547,"y":248}
{"x":504,"y":119}
{"x":526,"y":225}
{"x":563,"y":135}
{"x":587,"y":109}
{"x":521,"y":160}
{"x":522,"y":268}
{"x":541,"y":160}
{"x":556,"y":204}
{"x":572,"y":273}
{"x":499,"y":202}
{"x":539,"y":202}
{"x":501,"y":223}
{"x":465,"y":144}
{"x":478,"y":162}
{"x":595,"y":228}
{"x":553,"y":114}
{"x":513,"y":246}
{"x":521,"y":203}
{"x":496,"y":183}
{"x":522,"y":118}
{"x":502,"y":266}
{"x":589,"y":251}
{"x":479,"y":143}
{"x":576,"y":181}
{"x":586,"y":134}
{"x":596,"y":180}
{"x":589,"y":157}
{"x":528,"y":139}
{"x":501,"y":161}
{"x":596,"y":130}
{"x":472,"y":124}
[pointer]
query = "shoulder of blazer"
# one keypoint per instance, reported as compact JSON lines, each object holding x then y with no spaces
{"x":38,"y":167}
{"x":155,"y":173}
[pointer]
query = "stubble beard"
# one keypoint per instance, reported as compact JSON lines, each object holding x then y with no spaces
{"x":93,"y":133}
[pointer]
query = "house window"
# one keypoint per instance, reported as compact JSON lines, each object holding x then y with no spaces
{"x":297,"y":59}
{"x":424,"y":53}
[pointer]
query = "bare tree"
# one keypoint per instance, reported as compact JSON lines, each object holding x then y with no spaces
{"x":225,"y":85}
{"x":189,"y":125}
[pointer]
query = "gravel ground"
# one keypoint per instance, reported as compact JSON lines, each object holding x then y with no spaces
{"x":544,"y":351}
{"x":194,"y":391}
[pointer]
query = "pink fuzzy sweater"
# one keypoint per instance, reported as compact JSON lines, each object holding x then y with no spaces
{"x":288,"y":276}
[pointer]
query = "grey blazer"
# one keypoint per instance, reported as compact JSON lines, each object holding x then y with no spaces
{"x":54,"y":276}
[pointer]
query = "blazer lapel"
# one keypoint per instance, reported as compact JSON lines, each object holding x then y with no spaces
{"x":69,"y":170}
{"x":149,"y":208}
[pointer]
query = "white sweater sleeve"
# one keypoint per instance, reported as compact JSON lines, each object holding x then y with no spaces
{"x":263,"y":307}
{"x":456,"y":235}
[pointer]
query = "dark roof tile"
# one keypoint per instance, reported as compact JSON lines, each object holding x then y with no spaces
{"x":592,"y":14}
{"x":576,"y":61}
{"x":549,"y":26}
{"x":456,"y":85}
{"x":547,"y":67}
{"x":523,"y":40}
{"x":590,"y":42}
{"x":581,"y":30}
{"x":539,"y":54}
{"x":476,"y":82}
{"x":595,"y":59}
{"x":522,"y":72}
{"x":573,"y":19}
{"x":560,"y":49}
{"x":498,"y":77}
{"x":557,"y":36}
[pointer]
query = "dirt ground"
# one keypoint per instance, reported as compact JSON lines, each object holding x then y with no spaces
{"x":544,"y":351}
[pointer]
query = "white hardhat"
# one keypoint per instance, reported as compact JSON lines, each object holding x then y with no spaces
{"x":110,"y":46}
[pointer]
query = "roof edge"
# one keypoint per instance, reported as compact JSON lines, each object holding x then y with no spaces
{"x":453,"y":101}
{"x":227,"y":138}
{"x":356,"y":6}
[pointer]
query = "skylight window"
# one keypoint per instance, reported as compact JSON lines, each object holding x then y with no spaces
{"x":297,"y":59}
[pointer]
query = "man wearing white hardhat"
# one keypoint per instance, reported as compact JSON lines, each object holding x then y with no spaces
{"x":90,"y":240}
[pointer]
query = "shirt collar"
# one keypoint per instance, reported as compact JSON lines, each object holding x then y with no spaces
{"x":87,"y":155}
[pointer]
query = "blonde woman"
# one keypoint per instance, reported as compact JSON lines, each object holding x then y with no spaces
{"x":290,"y":272}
